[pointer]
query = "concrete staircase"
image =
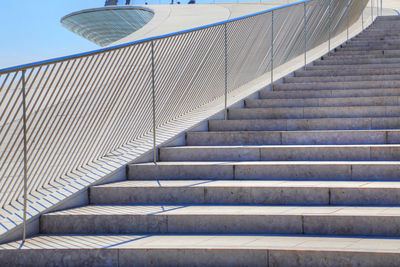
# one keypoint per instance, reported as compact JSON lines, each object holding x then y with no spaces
{"x":306,"y":175}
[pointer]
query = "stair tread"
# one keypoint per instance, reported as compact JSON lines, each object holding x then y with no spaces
{"x":238,"y":210}
{"x":251,"y":184}
{"x":223,"y":241}
{"x":238,"y":163}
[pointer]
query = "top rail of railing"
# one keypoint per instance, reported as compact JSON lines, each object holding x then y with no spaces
{"x":116,"y":47}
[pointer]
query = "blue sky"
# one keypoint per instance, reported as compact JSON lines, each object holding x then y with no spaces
{"x":31,"y":30}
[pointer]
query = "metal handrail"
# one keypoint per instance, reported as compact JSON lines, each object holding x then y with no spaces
{"x":115,"y":47}
{"x":66,"y":121}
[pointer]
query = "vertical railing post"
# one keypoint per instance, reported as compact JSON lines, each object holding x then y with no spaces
{"x":330,"y":15}
{"x":372,"y":11}
{"x":348,"y":18}
{"x":381,"y":7}
{"x":153,"y":103}
{"x":272,"y":48}
{"x":377,"y":8}
{"x":25,"y":154}
{"x":226,"y":71}
{"x":305,"y":35}
{"x":362,"y":14}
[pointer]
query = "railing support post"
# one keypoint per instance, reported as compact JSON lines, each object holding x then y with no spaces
{"x":330,"y":22}
{"x":272,"y":48}
{"x":154,"y":103}
{"x":362,"y":14}
{"x":25,"y":154}
{"x":226,"y":71}
{"x":305,"y":35}
{"x":372,"y":11}
{"x":348,"y":18}
{"x":381,"y":7}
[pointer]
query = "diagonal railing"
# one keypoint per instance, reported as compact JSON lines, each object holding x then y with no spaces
{"x":65,"y":123}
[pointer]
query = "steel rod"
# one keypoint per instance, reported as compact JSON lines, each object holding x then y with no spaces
{"x":305,"y":35}
{"x":372,"y":11}
{"x":348,"y":19}
{"x":154,"y":104}
{"x":272,"y":48}
{"x":329,"y":41}
{"x":25,"y":153}
{"x":362,"y":14}
{"x":226,"y":71}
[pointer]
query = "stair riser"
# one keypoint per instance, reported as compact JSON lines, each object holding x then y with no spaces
{"x":352,"y":67}
{"x":337,"y":85}
{"x":258,"y":171}
{"x":349,"y":78}
{"x":338,"y":73}
{"x":323,"y":102}
{"x":280,"y":154}
{"x":264,"y":94}
{"x":246,"y":196}
{"x":336,"y":57}
{"x":367,"y":48}
{"x":354,"y":61}
{"x":314,"y":112}
{"x":368,"y":43}
{"x":306,"y":124}
{"x":356,"y":53}
{"x":222,"y":224}
{"x":292,"y":138}
{"x":205,"y":257}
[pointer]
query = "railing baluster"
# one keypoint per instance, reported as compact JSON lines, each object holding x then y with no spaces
{"x":154,"y":104}
{"x":25,"y":153}
{"x":362,"y":14}
{"x":305,"y":35}
{"x":272,"y":48}
{"x":226,"y":71}
{"x":372,"y":10}
{"x":329,"y":41}
{"x":348,"y":18}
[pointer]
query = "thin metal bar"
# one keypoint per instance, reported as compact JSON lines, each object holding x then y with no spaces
{"x":226,"y":71}
{"x":381,"y":7}
{"x":272,"y":48}
{"x":377,"y":8}
{"x":25,"y":153}
{"x":372,"y":10}
{"x":329,"y":32}
{"x":348,"y":18}
{"x":305,"y":35}
{"x":154,"y":103}
{"x":362,"y":14}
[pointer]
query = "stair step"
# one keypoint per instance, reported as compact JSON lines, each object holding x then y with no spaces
{"x":353,"y":66}
{"x":305,"y":124}
{"x":337,"y":85}
{"x":355,"y":72}
{"x":281,"y":153}
{"x":201,"y":250}
{"x":313,"y":112}
{"x":376,"y":42}
{"x":338,"y":57}
{"x":333,"y":137}
{"x":369,"y":47}
{"x":349,"y":78}
{"x":353,"y":61}
{"x":324,"y":102}
{"x":265,"y":94}
{"x":356,"y":53}
{"x":227,"y":219}
{"x":250,"y":170}
{"x":257,"y":192}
